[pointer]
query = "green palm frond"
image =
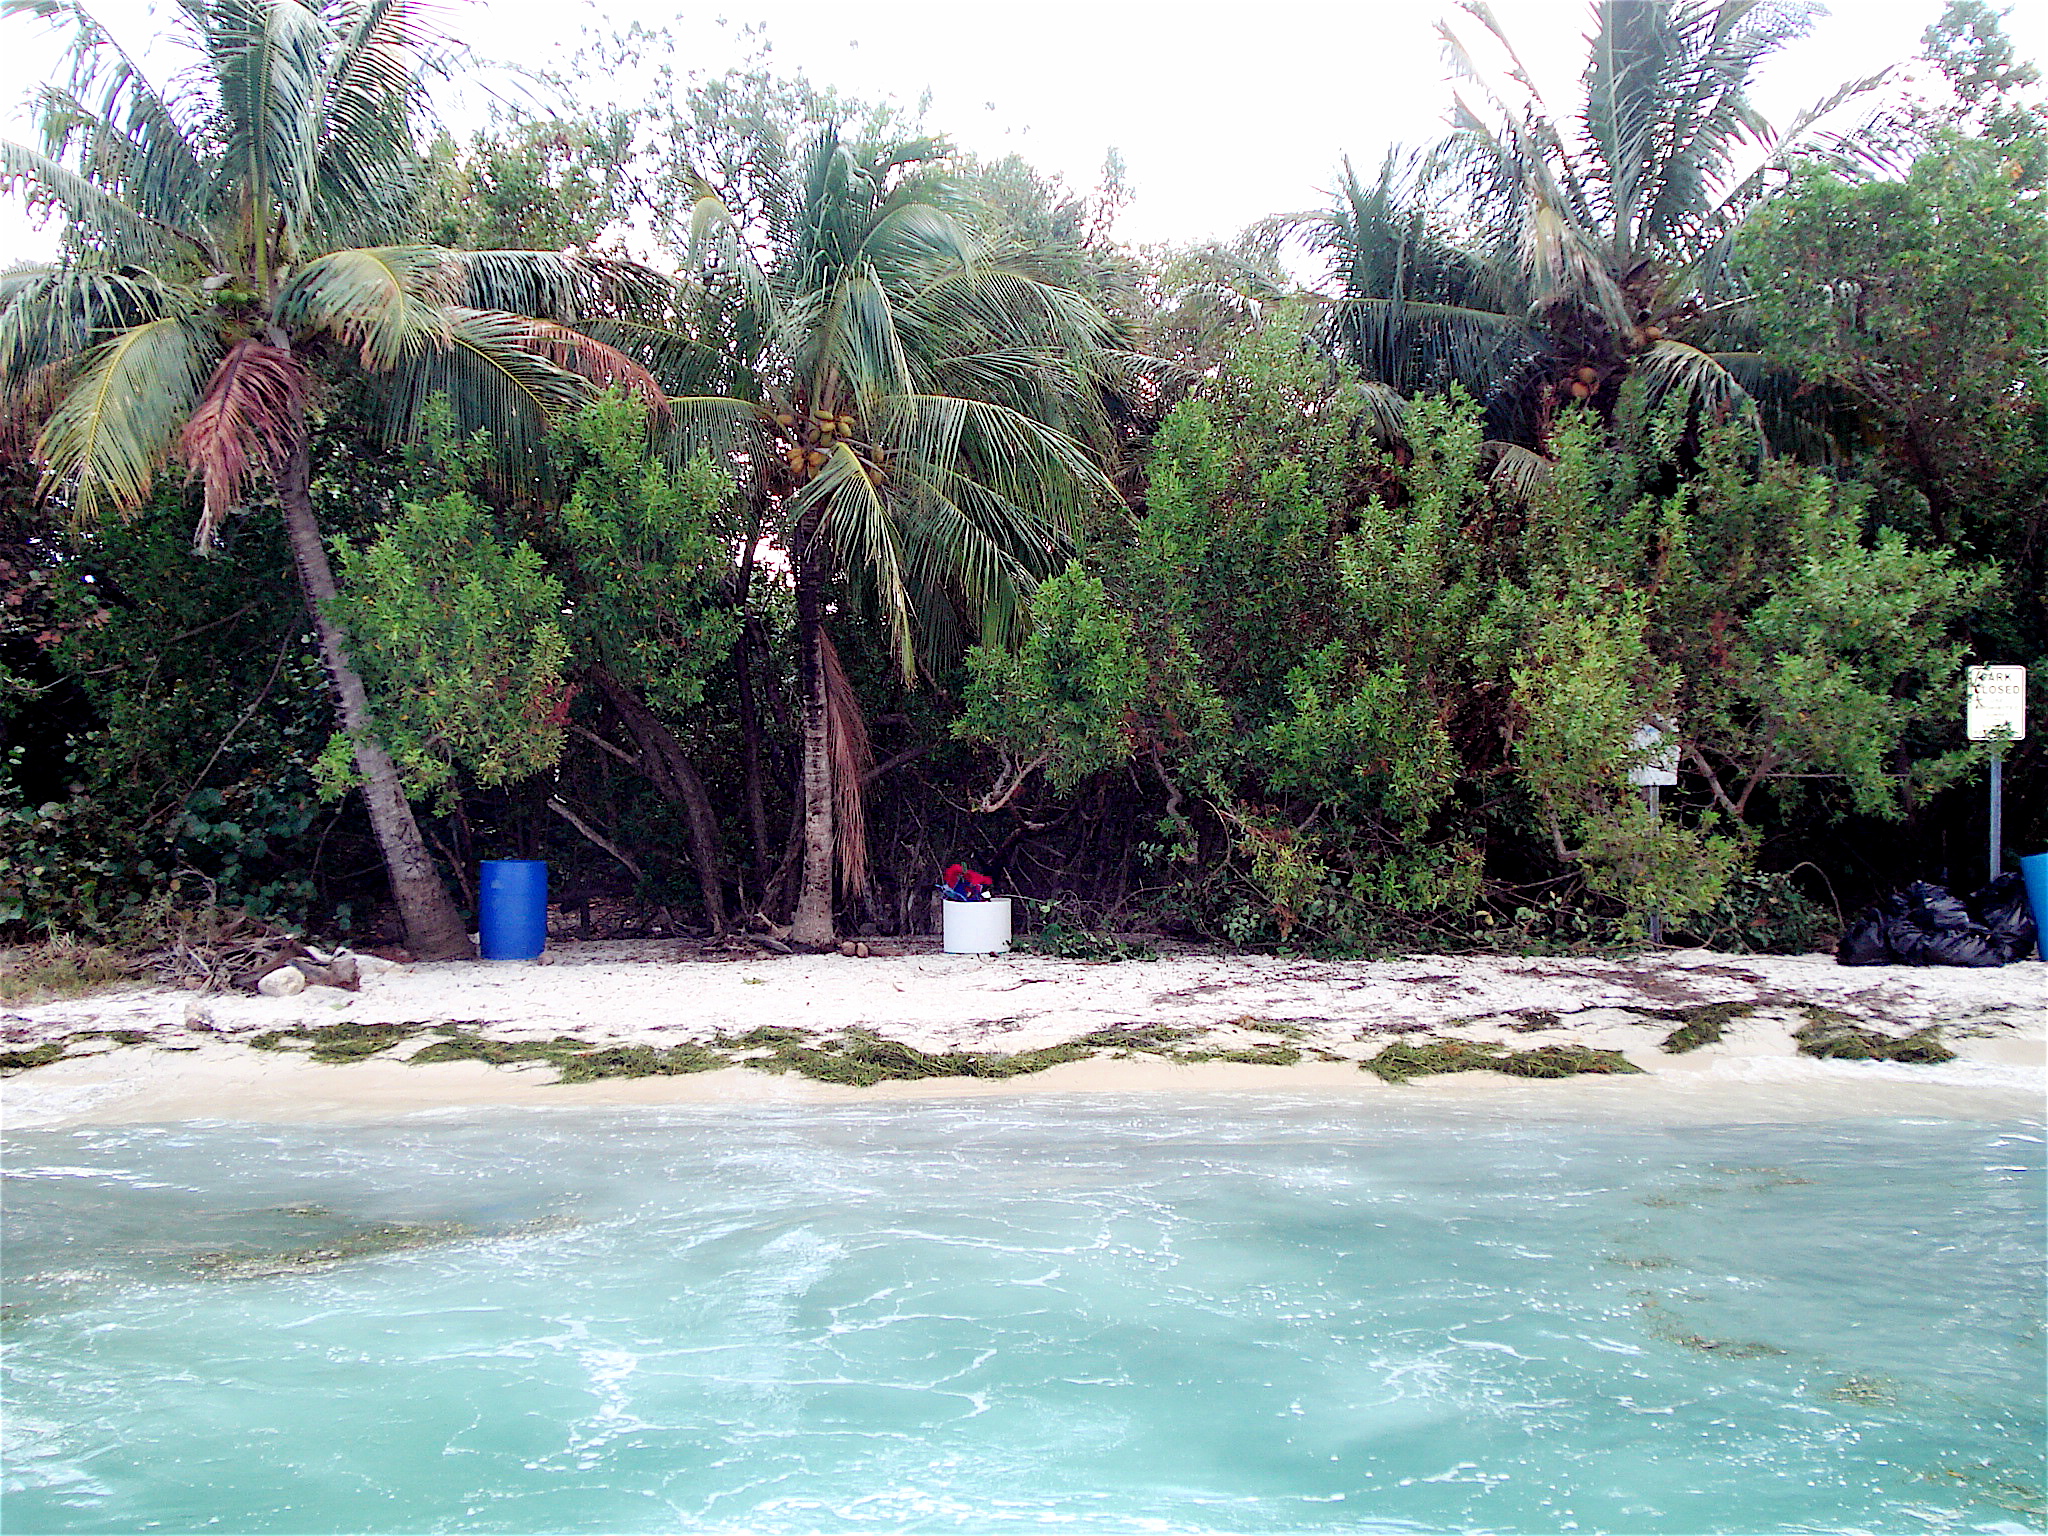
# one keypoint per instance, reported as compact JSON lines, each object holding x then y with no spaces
{"x":560,"y":285}
{"x":140,"y":143}
{"x":53,"y":314}
{"x":367,"y":174}
{"x":388,"y":303}
{"x":602,"y":366}
{"x":857,"y":525}
{"x":1514,"y":473}
{"x":266,"y":60}
{"x":130,"y":236}
{"x":490,"y":382}
{"x":730,"y":431}
{"x":106,"y":440}
{"x":1671,"y":369}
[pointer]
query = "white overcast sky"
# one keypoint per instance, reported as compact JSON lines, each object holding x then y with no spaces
{"x":1222,"y":114}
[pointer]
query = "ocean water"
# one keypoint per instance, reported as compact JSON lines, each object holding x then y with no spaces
{"x":1043,"y":1313}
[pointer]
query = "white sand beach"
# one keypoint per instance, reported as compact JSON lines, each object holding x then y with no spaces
{"x":194,"y":1060}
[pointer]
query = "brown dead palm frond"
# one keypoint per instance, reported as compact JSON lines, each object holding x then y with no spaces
{"x":853,"y":754}
{"x":246,"y":419}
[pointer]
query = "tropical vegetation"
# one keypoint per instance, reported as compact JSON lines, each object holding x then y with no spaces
{"x":752,"y":504}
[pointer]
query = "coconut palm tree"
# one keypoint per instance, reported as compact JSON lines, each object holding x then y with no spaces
{"x":914,"y":407}
{"x":1540,"y":258}
{"x":231,"y":235}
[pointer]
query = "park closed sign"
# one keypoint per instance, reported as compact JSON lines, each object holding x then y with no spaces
{"x":1996,"y":706}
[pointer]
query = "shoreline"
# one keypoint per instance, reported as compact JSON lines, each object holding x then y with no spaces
{"x":192,"y":1058}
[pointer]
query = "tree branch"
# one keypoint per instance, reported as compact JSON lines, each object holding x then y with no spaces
{"x":590,"y":832}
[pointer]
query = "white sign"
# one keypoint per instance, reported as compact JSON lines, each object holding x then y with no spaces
{"x":1661,"y":768}
{"x":1997,"y":707}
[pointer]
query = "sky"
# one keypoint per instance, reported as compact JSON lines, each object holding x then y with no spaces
{"x":1223,"y":114}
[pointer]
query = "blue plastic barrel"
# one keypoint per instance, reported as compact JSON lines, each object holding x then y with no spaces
{"x":512,"y":908}
{"x":2034,"y":870}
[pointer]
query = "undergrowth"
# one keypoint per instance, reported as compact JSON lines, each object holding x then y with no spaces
{"x":60,"y":967}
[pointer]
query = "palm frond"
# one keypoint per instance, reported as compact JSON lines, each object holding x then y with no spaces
{"x":1671,"y":369}
{"x":386,"y":302}
{"x":856,"y":524}
{"x":605,"y":367}
{"x":846,"y":738}
{"x":491,"y":384}
{"x":251,"y":411}
{"x":367,"y":173}
{"x":266,"y":59}
{"x":105,"y":442}
{"x":559,"y":285}
{"x":1513,"y":472}
{"x":53,"y":314}
{"x":131,"y":235}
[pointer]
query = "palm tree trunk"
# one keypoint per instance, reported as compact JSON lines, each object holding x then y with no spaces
{"x":434,"y":929}
{"x":813,"y":922}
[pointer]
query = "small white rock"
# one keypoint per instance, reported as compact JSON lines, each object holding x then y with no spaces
{"x":285,"y":981}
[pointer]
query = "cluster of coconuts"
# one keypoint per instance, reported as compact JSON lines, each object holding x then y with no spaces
{"x":811,"y":438}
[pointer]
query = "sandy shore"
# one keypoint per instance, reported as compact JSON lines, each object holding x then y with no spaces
{"x":194,"y":1061}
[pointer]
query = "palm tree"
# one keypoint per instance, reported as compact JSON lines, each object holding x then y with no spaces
{"x":231,"y":235}
{"x":1539,"y":259}
{"x":913,"y":406}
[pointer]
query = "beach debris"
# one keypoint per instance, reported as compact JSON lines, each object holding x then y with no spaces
{"x":1925,"y":925}
{"x":964,"y":884}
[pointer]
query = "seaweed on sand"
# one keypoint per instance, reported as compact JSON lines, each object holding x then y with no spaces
{"x":763,"y":1037}
{"x":1406,"y":1059}
{"x":338,"y":1043}
{"x":35,"y":1056}
{"x":1700,"y":1026}
{"x":56,"y":1050}
{"x":1160,"y":1038}
{"x":641,"y":1061}
{"x":1828,"y":1035}
{"x":862,"y":1059}
{"x":1263,"y":1055}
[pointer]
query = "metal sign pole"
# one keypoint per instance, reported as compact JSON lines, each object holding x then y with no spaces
{"x":1997,"y":808}
{"x":1653,"y":794}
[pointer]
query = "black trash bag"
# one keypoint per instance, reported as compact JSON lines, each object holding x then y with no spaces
{"x":1936,"y":929}
{"x":1931,"y":908}
{"x":1925,"y":925}
{"x":2002,"y":911}
{"x":1866,"y":942}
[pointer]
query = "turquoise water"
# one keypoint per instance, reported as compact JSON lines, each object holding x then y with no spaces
{"x":1034,"y":1314}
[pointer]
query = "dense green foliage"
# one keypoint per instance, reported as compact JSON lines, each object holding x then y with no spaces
{"x":923,"y":522}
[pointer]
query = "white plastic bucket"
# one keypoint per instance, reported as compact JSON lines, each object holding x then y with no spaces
{"x":978,"y":927}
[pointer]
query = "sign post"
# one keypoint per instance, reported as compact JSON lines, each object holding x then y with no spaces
{"x":1653,"y":773}
{"x":1995,"y":710}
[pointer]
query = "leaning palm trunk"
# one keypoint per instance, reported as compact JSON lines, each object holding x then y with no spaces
{"x":434,"y":929}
